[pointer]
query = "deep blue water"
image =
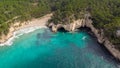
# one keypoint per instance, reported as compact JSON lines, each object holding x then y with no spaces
{"x":44,"y":49}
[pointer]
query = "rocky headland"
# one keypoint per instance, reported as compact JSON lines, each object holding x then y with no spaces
{"x":98,"y":33}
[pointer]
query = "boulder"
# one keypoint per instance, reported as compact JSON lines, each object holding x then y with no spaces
{"x":118,"y":33}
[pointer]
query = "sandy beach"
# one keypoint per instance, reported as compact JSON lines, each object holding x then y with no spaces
{"x":39,"y":22}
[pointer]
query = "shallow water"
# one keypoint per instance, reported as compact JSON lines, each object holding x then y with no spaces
{"x":44,"y":49}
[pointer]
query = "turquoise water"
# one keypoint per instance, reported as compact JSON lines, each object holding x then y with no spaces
{"x":44,"y":49}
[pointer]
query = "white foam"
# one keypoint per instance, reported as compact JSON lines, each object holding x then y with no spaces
{"x":84,"y":38}
{"x":20,"y":32}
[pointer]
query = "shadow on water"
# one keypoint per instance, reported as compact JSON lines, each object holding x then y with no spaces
{"x":99,"y":49}
{"x":62,"y":30}
{"x":95,"y":47}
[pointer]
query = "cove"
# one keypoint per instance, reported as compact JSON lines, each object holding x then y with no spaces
{"x":45,"y":49}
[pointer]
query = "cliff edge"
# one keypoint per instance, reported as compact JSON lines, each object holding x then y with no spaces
{"x":87,"y":22}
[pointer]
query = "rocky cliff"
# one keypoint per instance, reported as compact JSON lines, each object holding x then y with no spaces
{"x":87,"y":22}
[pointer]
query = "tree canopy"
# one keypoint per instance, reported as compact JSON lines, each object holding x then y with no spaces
{"x":105,"y":13}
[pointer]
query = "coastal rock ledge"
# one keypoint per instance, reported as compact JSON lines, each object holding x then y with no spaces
{"x":87,"y":22}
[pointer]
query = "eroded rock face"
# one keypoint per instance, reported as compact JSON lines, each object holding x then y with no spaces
{"x":69,"y":27}
{"x":54,"y":28}
{"x":99,"y":33}
{"x":118,"y":33}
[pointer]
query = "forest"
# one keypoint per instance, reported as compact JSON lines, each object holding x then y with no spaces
{"x":20,"y":10}
{"x":105,"y":13}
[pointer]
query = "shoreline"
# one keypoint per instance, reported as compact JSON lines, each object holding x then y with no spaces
{"x":41,"y":23}
{"x":98,"y":33}
{"x":88,"y":30}
{"x":24,"y":27}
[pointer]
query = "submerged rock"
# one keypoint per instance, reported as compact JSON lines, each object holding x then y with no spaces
{"x":99,"y":33}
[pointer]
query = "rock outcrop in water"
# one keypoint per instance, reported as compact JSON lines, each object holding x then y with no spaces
{"x":118,"y":33}
{"x":87,"y":22}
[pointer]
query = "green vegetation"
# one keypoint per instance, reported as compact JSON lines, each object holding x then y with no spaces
{"x":20,"y":10}
{"x":68,"y":10}
{"x":105,"y":13}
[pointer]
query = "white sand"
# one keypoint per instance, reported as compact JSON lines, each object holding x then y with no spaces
{"x":28,"y":25}
{"x":41,"y":22}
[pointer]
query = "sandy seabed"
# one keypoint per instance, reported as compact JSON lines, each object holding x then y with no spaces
{"x":18,"y":29}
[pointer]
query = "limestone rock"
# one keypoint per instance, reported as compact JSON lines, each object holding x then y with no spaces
{"x":54,"y":28}
{"x":118,"y":33}
{"x":99,"y":34}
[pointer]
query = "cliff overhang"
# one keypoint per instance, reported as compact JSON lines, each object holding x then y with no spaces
{"x":87,"y":22}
